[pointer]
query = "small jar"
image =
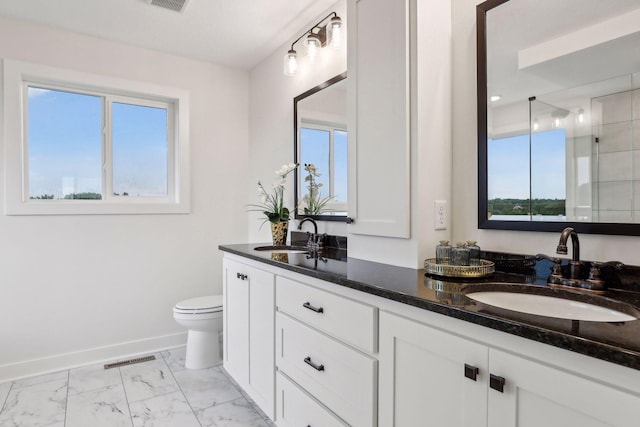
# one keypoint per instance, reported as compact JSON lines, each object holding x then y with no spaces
{"x":460,"y":255}
{"x":474,"y":253}
{"x":443,"y":253}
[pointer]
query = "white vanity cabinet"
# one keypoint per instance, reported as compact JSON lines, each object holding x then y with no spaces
{"x":379,"y":111}
{"x":248,"y":349}
{"x":314,"y":353}
{"x":427,"y":373}
{"x":316,"y":337}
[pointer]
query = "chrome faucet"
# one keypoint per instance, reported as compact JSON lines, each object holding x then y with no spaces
{"x":575,"y":264}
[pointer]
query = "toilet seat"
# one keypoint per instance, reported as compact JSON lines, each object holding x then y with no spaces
{"x":199,"y":305}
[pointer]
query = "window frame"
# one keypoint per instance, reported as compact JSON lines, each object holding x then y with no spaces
{"x":18,"y":76}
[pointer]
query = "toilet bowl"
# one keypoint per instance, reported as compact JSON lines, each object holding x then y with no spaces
{"x":202,"y":317}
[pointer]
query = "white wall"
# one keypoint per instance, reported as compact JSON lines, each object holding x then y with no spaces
{"x":271,"y":118}
{"x":76,"y":289}
{"x":465,"y":196}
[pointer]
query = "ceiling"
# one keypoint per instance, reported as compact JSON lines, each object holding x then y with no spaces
{"x":520,"y":24}
{"x":233,"y":33}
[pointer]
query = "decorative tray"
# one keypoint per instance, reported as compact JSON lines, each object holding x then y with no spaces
{"x":485,"y":269}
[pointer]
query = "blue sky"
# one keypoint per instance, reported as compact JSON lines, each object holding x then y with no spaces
{"x":65,"y":145}
{"x":508,"y":164}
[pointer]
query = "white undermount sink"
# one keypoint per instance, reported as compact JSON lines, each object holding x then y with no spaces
{"x":550,"y":306}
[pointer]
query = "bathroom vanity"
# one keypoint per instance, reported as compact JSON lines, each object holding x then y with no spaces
{"x":317,"y":339}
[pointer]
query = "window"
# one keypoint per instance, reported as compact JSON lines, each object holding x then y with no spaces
{"x":84,"y":144}
{"x":326,"y":148}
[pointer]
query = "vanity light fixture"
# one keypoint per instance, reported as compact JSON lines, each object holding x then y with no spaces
{"x":317,"y":37}
{"x":580,"y":115}
{"x":536,"y":125}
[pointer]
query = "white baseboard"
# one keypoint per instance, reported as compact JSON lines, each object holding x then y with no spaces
{"x":119,"y":351}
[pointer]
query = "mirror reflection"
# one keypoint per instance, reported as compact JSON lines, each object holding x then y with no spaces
{"x":320,"y":123}
{"x":559,"y":114}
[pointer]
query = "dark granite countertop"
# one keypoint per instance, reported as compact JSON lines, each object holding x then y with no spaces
{"x":617,"y":342}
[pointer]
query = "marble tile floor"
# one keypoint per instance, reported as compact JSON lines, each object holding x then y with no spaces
{"x":159,"y":393}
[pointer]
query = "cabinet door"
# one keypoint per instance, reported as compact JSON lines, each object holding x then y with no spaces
{"x":423,"y":378}
{"x":538,"y":395}
{"x":236,"y":321}
{"x":249,"y":331}
{"x":379,"y":140}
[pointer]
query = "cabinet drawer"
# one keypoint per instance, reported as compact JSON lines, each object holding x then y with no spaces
{"x":296,"y":408}
{"x":343,"y":318}
{"x":341,"y":378}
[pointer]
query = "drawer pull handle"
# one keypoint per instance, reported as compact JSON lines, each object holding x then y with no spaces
{"x":471,"y":372}
{"x":496,"y":383}
{"x":308,"y":361}
{"x":312,"y":308}
{"x":241,"y":276}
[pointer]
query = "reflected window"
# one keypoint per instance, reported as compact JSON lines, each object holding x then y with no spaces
{"x":326,"y":148}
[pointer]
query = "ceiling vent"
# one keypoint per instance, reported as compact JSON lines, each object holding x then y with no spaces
{"x":175,"y":5}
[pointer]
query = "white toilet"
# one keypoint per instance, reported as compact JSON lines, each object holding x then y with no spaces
{"x":202,"y":316}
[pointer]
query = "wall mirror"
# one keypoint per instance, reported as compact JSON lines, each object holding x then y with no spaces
{"x":320,"y":147}
{"x":559,"y":115}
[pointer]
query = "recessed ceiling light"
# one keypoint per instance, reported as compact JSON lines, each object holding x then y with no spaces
{"x":494,"y":98}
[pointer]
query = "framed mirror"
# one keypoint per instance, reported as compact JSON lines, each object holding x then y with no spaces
{"x":320,"y":147}
{"x":559,"y":115}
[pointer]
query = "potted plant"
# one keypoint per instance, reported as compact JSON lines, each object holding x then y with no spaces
{"x":272,"y":205}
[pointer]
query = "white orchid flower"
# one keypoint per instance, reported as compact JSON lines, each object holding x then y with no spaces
{"x":285,"y":169}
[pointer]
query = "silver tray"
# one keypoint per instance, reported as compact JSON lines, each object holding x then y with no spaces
{"x":446,"y":270}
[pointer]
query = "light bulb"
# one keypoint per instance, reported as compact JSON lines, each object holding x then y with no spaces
{"x":580,"y":115}
{"x":335,"y":32}
{"x":495,"y":98}
{"x":313,"y":45}
{"x":556,"y":122}
{"x":535,"y":124}
{"x":290,"y":63}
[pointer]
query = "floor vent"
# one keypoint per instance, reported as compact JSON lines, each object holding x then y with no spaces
{"x":129,"y":362}
{"x":175,"y":5}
